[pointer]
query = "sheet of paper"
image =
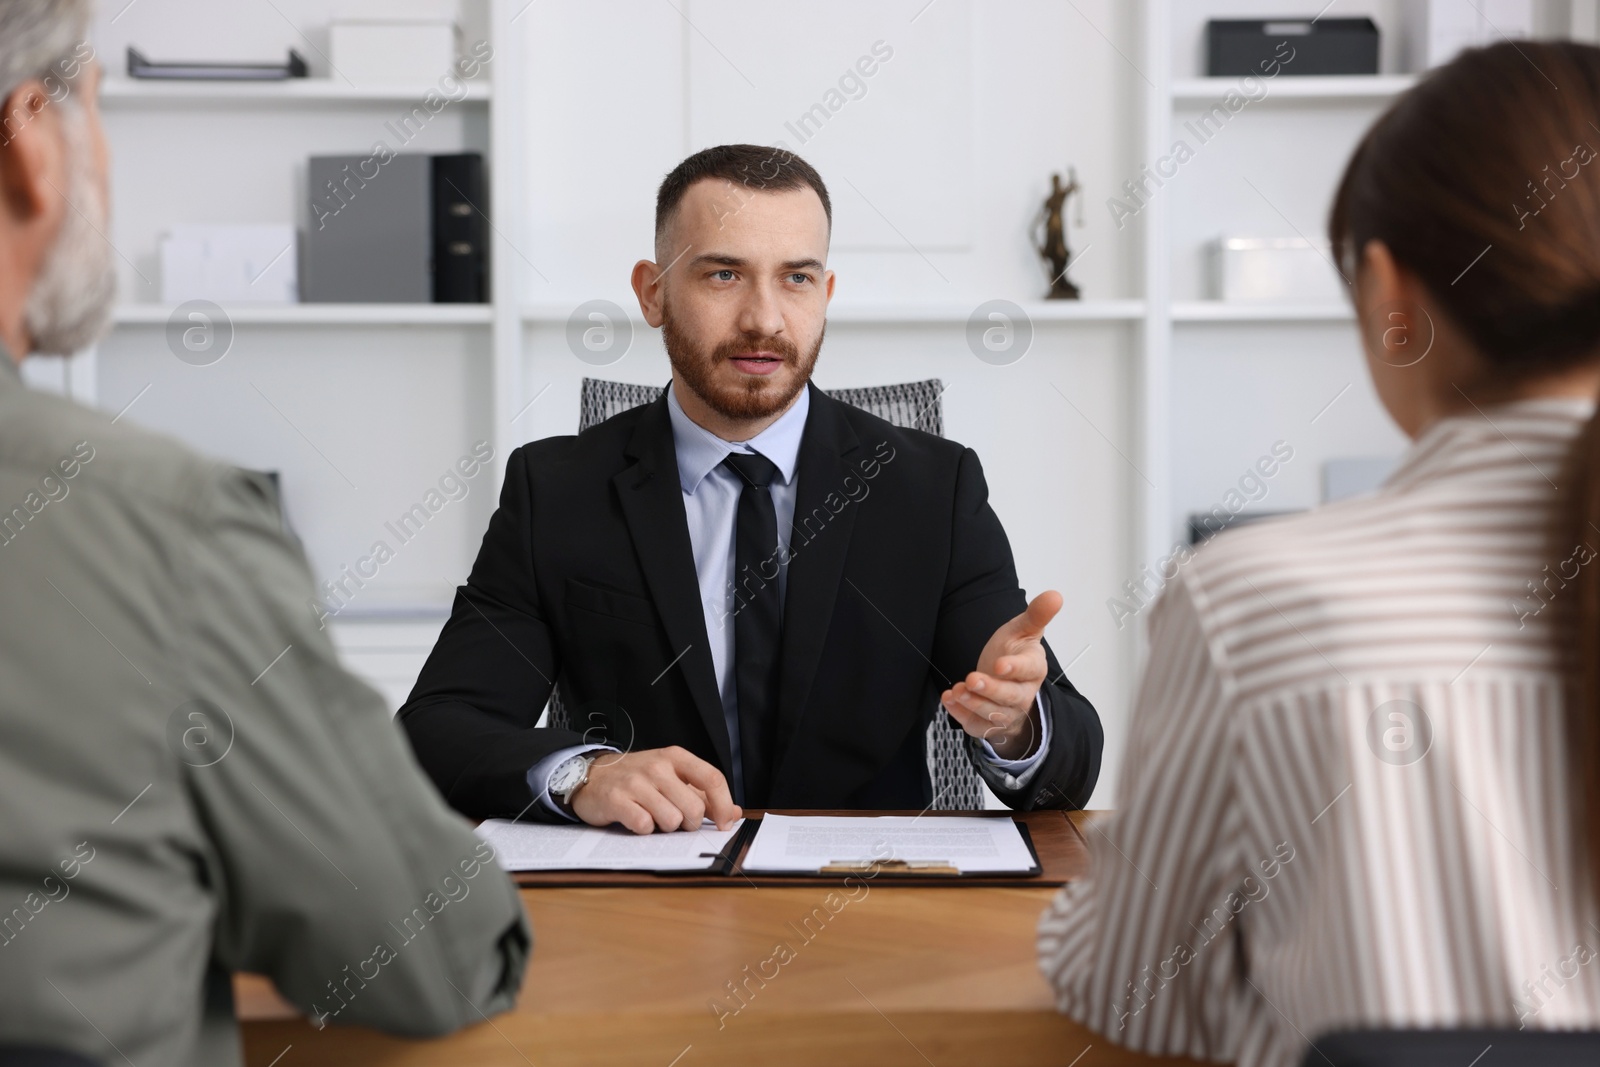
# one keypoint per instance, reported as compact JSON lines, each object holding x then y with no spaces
{"x":524,"y":846}
{"x":794,"y":843}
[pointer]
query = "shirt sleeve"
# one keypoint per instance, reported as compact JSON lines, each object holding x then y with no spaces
{"x":336,"y":868}
{"x":1014,"y":773}
{"x":1145,"y":950}
{"x":541,"y":773}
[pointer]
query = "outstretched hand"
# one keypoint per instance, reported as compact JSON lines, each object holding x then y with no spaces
{"x":998,"y":702}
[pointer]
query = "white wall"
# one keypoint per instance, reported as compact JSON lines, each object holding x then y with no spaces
{"x":361,"y":422}
{"x":1249,"y":386}
{"x":617,"y":94}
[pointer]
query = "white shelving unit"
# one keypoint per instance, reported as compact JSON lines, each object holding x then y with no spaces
{"x":1219,"y":382}
{"x":363,"y":407}
{"x":1228,"y":370}
{"x":1153,"y":389}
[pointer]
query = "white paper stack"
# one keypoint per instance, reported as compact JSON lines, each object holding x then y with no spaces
{"x":522,"y":846}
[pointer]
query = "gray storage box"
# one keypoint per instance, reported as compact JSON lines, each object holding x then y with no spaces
{"x":1237,"y":47}
{"x":369,"y":237}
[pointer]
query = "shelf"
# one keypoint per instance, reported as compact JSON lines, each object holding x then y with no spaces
{"x":1336,"y":88}
{"x":290,"y":91}
{"x":1222,"y":311}
{"x":955,"y":312}
{"x":324,"y":314}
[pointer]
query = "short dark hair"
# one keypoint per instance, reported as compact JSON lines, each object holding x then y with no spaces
{"x":756,"y":166}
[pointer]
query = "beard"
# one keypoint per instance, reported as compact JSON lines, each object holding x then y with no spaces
{"x":747,"y":396}
{"x":71,"y":301}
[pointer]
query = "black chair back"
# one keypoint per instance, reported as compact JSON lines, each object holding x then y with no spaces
{"x":1455,"y":1048}
{"x":35,"y":1056}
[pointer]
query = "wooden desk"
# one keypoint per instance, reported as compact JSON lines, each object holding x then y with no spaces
{"x":900,"y":975}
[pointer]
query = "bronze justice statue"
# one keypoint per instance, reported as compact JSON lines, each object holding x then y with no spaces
{"x":1053,"y":248}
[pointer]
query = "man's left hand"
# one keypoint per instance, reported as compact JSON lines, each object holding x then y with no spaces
{"x":997,"y":702}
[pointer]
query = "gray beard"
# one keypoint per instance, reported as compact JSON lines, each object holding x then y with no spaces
{"x":72,"y":299}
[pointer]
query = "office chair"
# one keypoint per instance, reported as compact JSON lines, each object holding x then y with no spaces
{"x":34,"y":1056}
{"x":1455,"y":1048}
{"x":913,"y":405}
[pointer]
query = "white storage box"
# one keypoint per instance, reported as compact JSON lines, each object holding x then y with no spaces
{"x":390,"y":51}
{"x":230,"y":265}
{"x":1288,"y":270}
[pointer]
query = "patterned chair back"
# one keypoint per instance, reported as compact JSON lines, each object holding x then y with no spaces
{"x":913,"y":405}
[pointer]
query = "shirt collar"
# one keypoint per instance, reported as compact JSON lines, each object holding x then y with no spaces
{"x":1486,"y":441}
{"x":700,"y":451}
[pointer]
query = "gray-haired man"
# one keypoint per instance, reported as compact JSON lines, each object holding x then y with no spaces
{"x":190,"y":784}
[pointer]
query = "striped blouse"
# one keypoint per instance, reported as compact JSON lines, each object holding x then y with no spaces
{"x":1345,"y":799}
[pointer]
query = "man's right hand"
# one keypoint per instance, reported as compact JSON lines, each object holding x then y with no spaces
{"x":660,"y":788}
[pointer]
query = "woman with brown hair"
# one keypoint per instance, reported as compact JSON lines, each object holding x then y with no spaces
{"x":1361,"y":782}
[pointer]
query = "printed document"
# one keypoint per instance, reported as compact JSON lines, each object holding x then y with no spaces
{"x":524,"y":846}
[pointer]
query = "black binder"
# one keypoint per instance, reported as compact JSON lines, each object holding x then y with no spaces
{"x":460,"y":230}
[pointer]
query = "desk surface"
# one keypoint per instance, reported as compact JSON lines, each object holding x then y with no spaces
{"x":901,"y":974}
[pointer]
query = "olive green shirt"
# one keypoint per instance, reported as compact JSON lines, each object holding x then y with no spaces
{"x":191,"y":784}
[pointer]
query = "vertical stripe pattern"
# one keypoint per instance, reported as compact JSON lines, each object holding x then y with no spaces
{"x":1346,"y":800}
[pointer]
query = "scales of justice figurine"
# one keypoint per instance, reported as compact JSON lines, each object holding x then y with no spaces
{"x":1051,"y":222}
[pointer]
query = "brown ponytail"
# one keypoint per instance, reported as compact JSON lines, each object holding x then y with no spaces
{"x":1484,"y":181}
{"x":1582,"y":527}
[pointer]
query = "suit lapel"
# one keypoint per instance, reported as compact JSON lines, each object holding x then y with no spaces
{"x":652,"y":503}
{"x":816,"y":567}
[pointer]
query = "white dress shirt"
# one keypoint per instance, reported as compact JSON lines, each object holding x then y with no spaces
{"x":711,"y":505}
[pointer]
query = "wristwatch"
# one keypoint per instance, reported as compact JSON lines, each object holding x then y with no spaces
{"x":568,"y":778}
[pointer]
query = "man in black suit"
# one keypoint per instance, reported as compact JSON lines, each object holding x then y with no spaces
{"x":749,"y":593}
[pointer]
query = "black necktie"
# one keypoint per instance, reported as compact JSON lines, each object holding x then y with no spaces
{"x":757,"y":621}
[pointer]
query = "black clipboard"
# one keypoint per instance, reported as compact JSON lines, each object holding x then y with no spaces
{"x":723,"y":865}
{"x":1052,"y":842}
{"x":893,"y":870}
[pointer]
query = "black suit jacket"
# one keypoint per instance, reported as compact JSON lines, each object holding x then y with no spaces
{"x":899,"y":574}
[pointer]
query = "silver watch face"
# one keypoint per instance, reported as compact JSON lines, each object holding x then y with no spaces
{"x":566,"y":777}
